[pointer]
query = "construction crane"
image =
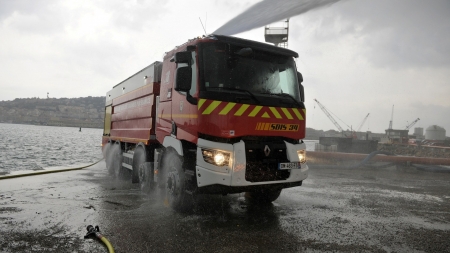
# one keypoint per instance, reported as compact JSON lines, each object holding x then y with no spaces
{"x":329,"y":116}
{"x":362,"y":123}
{"x":392,"y":118}
{"x":412,"y":124}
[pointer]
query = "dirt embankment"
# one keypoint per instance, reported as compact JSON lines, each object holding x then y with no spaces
{"x":414,"y":150}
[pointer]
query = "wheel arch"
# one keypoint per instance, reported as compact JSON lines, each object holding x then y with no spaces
{"x":118,"y":142}
{"x":174,"y":143}
{"x":141,"y":145}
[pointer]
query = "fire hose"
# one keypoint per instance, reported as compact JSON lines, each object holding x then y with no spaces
{"x":96,"y":232}
{"x":46,"y":171}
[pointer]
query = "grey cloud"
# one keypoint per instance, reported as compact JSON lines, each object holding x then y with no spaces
{"x":7,"y":8}
{"x":431,"y":114}
{"x":102,"y":57}
{"x":137,"y":15}
{"x":38,"y":17}
{"x":395,"y":34}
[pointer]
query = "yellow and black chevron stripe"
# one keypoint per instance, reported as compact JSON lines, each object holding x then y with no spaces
{"x":208,"y":107}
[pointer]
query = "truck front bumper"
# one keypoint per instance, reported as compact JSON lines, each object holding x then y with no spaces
{"x":233,"y":175}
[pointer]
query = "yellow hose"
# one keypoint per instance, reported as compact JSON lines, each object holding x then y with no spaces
{"x":108,"y":244}
{"x":95,"y":232}
{"x":46,"y":171}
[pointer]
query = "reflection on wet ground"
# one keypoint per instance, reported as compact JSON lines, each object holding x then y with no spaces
{"x":348,"y":210}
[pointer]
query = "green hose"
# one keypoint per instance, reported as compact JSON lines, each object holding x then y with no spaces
{"x":46,"y":171}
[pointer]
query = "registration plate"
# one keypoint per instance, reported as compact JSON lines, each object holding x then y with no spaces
{"x":289,"y":166}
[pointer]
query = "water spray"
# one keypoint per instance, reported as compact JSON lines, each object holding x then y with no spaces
{"x":269,"y":11}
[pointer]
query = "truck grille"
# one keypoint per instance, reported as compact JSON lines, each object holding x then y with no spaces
{"x":262,"y":162}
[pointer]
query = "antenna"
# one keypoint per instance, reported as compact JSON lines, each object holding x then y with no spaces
{"x":202,"y":25}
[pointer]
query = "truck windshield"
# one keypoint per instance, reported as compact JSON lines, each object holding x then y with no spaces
{"x":231,"y":67}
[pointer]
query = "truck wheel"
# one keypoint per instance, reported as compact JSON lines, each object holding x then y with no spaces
{"x":116,"y":164}
{"x":146,"y":177}
{"x":138,"y":159}
{"x":175,"y":195}
{"x":263,"y":196}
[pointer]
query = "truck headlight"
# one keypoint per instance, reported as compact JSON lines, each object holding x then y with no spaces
{"x":301,"y":155}
{"x":216,"y":157}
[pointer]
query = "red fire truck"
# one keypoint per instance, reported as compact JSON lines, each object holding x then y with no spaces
{"x":219,"y":115}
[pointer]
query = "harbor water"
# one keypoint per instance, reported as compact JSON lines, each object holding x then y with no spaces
{"x":30,"y":147}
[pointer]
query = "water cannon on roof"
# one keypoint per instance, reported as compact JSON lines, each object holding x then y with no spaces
{"x":278,"y":35}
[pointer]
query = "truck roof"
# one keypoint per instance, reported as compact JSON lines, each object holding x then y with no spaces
{"x":254,"y":44}
{"x":235,"y":41}
{"x":149,"y":74}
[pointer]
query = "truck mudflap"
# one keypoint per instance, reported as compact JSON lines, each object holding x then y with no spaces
{"x":242,"y":165}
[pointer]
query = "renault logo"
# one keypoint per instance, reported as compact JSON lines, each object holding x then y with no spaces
{"x":267,"y":150}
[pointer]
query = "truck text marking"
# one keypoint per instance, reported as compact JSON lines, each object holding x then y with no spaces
{"x":277,"y":127}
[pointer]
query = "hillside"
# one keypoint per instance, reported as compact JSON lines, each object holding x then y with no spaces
{"x":73,"y":112}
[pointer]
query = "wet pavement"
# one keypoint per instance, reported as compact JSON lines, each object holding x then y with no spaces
{"x":336,"y":210}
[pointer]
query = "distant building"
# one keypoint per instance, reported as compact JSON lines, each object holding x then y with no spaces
{"x":397,"y":135}
{"x":418,"y":132}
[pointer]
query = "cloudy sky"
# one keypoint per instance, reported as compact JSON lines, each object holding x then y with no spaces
{"x":356,"y":56}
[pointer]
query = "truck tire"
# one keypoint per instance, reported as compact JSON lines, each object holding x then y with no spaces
{"x":116,"y":163}
{"x":263,"y":196}
{"x":146,"y":181}
{"x":175,"y":184}
{"x":139,"y":158}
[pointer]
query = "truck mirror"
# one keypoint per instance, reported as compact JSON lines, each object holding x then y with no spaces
{"x":183,"y":57}
{"x":300,"y":86}
{"x":299,"y":77}
{"x":302,"y":92}
{"x":183,"y":79}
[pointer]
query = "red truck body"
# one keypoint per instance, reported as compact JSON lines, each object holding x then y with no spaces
{"x":218,"y":115}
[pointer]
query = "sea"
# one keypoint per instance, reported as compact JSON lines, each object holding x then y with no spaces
{"x":30,"y":147}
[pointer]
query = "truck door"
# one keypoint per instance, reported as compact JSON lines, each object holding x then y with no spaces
{"x":184,"y":113}
{"x":164,"y":113}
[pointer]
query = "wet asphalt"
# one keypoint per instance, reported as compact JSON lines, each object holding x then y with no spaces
{"x":387,"y":209}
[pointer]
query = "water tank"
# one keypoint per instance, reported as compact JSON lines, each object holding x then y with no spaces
{"x":435,"y":132}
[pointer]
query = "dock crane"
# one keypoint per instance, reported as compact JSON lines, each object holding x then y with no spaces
{"x":362,"y":123}
{"x":392,"y":118}
{"x":329,"y":116}
{"x":411,"y":124}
